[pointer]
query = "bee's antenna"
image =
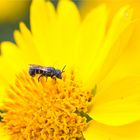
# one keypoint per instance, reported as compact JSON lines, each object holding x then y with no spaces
{"x":63,"y":69}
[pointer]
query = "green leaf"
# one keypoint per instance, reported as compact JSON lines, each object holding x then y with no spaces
{"x":82,"y":138}
{"x":94,"y":90}
{"x":2,"y":111}
{"x":1,"y":119}
{"x":83,"y":114}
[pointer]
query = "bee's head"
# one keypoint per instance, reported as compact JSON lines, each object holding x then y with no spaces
{"x":32,"y":72}
{"x":58,"y":74}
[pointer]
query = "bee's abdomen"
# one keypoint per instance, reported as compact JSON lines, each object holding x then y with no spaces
{"x":38,"y":71}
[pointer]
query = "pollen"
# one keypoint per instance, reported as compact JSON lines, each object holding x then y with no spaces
{"x":48,"y":109}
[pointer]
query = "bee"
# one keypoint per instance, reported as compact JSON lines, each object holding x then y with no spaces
{"x":45,"y":71}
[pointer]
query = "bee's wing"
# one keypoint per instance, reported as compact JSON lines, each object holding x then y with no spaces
{"x":35,"y":66}
{"x":47,"y":69}
{"x":42,"y":68}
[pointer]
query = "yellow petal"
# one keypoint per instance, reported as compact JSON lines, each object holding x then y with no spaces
{"x":68,"y":23}
{"x":3,"y":135}
{"x":43,"y":27}
{"x":114,"y":44}
{"x":40,"y":20}
{"x":128,"y":63}
{"x":119,"y":22}
{"x":54,"y":35}
{"x":118,"y":104}
{"x":90,"y":38}
{"x":24,"y":40}
{"x":12,"y":61}
{"x":115,"y":52}
{"x":97,"y":131}
{"x":2,"y":92}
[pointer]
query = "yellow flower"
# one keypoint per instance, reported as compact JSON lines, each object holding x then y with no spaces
{"x":12,"y":10}
{"x":98,"y":96}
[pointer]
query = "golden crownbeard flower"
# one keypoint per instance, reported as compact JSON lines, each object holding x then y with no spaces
{"x":98,"y":97}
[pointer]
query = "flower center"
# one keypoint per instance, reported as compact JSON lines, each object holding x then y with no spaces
{"x":46,"y":109}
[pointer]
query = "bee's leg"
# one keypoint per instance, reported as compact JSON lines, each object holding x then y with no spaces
{"x":40,"y":77}
{"x":53,"y":77}
{"x":46,"y":78}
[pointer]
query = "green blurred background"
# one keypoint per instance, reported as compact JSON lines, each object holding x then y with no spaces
{"x":11,"y":13}
{"x":14,"y":11}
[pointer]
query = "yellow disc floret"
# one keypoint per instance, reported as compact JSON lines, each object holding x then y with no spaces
{"x":46,"y":110}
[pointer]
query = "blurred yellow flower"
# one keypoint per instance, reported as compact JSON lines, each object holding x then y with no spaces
{"x":113,"y":6}
{"x":98,"y":96}
{"x":11,"y":10}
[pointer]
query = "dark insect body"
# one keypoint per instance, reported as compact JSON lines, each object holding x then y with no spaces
{"x":45,"y":71}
